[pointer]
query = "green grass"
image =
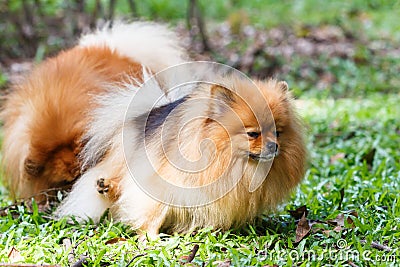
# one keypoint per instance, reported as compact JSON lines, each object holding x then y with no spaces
{"x":371,"y":188}
{"x":352,"y":79}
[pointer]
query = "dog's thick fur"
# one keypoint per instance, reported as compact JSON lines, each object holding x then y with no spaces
{"x":46,"y":115}
{"x":235,"y":128}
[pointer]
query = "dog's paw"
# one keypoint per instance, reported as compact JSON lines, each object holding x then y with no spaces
{"x":108,"y":187}
{"x":103,"y":186}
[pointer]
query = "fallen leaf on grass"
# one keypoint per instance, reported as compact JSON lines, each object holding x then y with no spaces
{"x":14,"y":255}
{"x":369,"y":157}
{"x":349,"y":220}
{"x":303,"y":228}
{"x":298,"y":213}
{"x":115,"y":240}
{"x":338,"y":223}
{"x":340,"y":219}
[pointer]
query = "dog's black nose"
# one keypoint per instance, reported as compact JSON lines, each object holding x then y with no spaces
{"x":272,"y":147}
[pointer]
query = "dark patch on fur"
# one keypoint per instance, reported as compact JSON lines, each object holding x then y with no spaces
{"x":33,"y":168}
{"x":156,"y":117}
{"x":151,"y":121}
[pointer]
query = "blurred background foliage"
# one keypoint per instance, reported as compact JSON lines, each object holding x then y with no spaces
{"x":322,"y":48}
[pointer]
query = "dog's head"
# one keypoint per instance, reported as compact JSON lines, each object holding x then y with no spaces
{"x":257,"y":120}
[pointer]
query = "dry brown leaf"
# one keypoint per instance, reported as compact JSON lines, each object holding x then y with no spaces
{"x":115,"y":240}
{"x":298,"y":213}
{"x":369,"y":157}
{"x":339,"y":220}
{"x":14,"y":255}
{"x":353,"y":213}
{"x":303,"y":229}
{"x":349,"y":220}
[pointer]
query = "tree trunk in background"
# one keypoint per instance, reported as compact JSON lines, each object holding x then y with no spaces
{"x":195,"y":24}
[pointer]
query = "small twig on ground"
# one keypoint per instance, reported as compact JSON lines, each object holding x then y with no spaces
{"x":193,"y":253}
{"x":380,"y":247}
{"x":134,"y":257}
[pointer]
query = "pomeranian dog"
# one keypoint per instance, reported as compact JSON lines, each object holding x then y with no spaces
{"x":164,"y":149}
{"x":46,"y":115}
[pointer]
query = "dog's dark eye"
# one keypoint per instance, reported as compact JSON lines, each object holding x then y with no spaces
{"x":276,"y":133}
{"x":253,"y":134}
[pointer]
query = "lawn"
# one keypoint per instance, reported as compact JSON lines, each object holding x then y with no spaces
{"x":347,"y":210}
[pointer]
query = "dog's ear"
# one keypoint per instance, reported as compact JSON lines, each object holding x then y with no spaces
{"x":221,"y":93}
{"x":221,"y":98}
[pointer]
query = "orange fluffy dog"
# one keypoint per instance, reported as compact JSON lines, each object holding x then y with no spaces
{"x":46,"y":115}
{"x":194,"y":145}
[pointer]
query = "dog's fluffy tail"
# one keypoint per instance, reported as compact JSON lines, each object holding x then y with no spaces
{"x":150,"y":44}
